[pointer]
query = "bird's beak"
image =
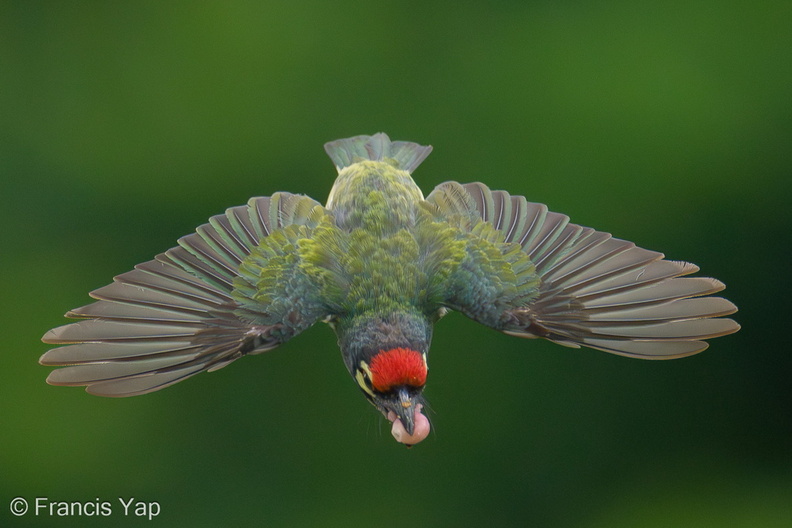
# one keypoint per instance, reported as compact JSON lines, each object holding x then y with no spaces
{"x":405,"y":410}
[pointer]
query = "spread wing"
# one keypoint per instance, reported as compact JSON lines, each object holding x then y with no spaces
{"x":588,"y":288}
{"x":192,"y":308}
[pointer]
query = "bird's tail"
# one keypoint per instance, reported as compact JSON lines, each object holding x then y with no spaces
{"x":379,"y":147}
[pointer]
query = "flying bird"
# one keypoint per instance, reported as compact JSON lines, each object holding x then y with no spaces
{"x":381,"y":264}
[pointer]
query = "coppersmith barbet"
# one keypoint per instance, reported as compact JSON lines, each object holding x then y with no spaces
{"x":381,"y":264}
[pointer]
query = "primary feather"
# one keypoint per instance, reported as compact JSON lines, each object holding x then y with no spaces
{"x":182,"y":313}
{"x":593,"y":290}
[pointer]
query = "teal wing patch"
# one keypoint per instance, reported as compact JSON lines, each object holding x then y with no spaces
{"x":493,"y":275}
{"x":590,"y":289}
{"x":273,"y":287}
{"x":183,"y":312}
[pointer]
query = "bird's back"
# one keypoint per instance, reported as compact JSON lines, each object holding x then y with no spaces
{"x":375,"y":196}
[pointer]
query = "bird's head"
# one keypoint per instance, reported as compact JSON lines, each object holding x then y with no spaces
{"x":393,"y":380}
{"x":386,"y":356}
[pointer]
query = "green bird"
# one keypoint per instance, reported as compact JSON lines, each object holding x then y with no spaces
{"x":381,"y":264}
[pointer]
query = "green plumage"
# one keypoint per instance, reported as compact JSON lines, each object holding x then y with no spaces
{"x":381,"y":264}
{"x":380,"y":248}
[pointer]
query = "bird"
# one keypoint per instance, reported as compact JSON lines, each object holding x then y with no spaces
{"x":381,"y":264}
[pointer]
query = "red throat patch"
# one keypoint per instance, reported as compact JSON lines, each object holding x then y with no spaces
{"x":397,"y":366}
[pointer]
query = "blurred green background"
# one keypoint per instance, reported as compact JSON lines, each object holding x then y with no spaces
{"x":124,"y":126}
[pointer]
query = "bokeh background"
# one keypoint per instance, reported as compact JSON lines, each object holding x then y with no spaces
{"x":124,"y":126}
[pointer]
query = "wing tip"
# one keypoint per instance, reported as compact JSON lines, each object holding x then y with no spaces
{"x":53,"y":336}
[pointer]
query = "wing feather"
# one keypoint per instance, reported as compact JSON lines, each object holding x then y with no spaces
{"x":177,"y":315}
{"x":594,"y":290}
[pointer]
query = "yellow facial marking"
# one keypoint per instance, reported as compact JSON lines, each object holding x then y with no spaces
{"x":363,"y":378}
{"x":364,"y":366}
